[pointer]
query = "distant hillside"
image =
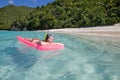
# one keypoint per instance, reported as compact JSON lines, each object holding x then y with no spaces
{"x":10,"y":13}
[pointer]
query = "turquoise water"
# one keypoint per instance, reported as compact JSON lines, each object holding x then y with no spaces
{"x":80,"y":59}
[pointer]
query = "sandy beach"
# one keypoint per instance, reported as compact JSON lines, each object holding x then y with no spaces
{"x":112,"y":31}
{"x":96,"y":35}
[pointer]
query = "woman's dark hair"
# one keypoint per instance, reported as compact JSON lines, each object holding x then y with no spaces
{"x":47,"y":36}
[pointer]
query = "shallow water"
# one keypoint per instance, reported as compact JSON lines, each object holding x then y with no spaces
{"x":80,"y":59}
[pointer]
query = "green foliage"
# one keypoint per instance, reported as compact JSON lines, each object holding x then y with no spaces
{"x":62,"y":14}
{"x":11,"y":13}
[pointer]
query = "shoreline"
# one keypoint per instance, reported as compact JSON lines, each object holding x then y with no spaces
{"x":96,"y":35}
{"x":107,"y":35}
{"x":109,"y":31}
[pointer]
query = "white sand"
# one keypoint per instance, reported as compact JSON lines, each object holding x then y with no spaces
{"x":113,"y":31}
{"x":98,"y":35}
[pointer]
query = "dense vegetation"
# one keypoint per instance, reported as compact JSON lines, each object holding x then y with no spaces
{"x":65,"y":14}
{"x":10,"y":14}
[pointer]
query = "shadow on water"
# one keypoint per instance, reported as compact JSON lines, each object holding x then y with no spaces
{"x":20,"y":59}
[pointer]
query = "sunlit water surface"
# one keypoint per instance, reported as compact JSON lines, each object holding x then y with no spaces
{"x":79,"y":60}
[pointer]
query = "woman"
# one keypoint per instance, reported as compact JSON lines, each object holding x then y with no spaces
{"x":48,"y":39}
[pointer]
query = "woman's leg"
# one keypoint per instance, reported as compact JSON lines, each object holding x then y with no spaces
{"x":28,"y":39}
{"x":34,"y":40}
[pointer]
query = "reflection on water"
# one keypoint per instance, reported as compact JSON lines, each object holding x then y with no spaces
{"x":80,"y":60}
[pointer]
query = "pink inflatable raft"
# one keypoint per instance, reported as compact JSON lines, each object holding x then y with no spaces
{"x":51,"y":46}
